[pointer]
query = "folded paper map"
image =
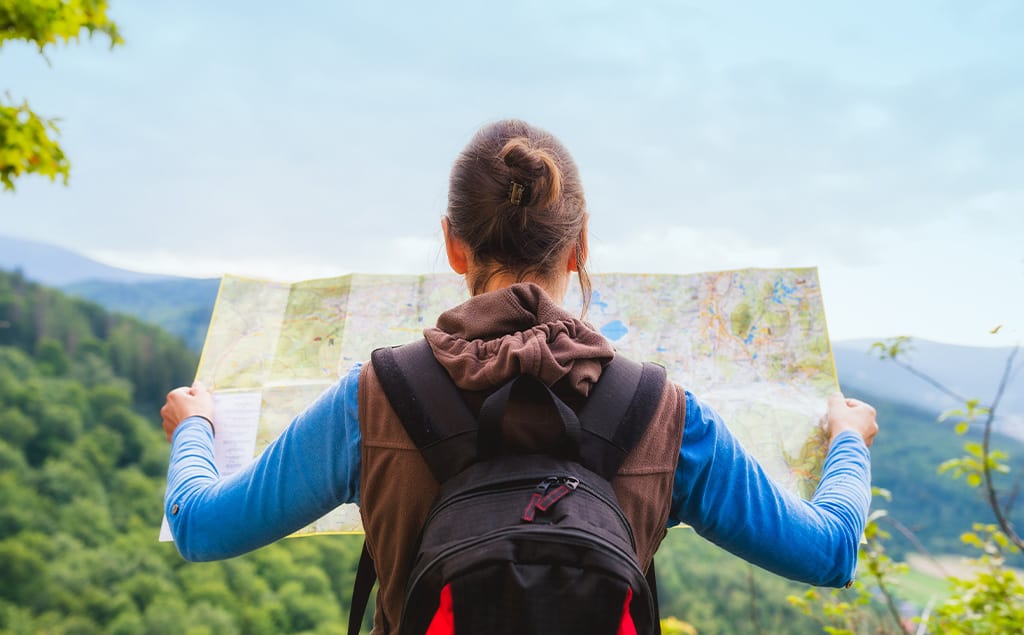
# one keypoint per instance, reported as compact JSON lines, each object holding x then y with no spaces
{"x":751,"y":343}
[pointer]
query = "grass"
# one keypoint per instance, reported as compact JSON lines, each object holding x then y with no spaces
{"x":920,"y":588}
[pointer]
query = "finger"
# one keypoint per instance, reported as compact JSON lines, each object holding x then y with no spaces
{"x":857,"y":403}
{"x":168,"y":429}
{"x":836,"y":400}
{"x":869,"y":438}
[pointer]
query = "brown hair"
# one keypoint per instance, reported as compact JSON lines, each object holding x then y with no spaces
{"x":515,"y":199}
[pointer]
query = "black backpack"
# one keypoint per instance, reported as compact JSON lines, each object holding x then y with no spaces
{"x":520,"y":543}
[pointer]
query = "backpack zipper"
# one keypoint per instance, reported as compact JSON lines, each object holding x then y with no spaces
{"x":465,"y":494}
{"x":572,"y":482}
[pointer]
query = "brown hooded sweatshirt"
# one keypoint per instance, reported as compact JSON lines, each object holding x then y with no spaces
{"x":483,"y":343}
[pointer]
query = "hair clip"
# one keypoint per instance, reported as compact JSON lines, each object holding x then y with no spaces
{"x":516,"y":192}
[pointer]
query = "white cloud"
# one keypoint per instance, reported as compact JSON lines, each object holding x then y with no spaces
{"x":401,"y":254}
{"x":680,"y":250}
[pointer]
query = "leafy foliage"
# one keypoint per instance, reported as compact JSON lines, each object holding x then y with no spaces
{"x":991,"y":601}
{"x":27,"y":144}
{"x":46,"y":22}
{"x":676,"y":626}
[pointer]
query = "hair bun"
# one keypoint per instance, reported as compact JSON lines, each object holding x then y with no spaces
{"x":534,"y":168}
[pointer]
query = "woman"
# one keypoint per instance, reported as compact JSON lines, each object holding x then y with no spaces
{"x":516,"y":228}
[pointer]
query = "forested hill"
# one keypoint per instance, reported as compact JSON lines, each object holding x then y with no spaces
{"x":58,"y":330}
{"x":82,"y":468}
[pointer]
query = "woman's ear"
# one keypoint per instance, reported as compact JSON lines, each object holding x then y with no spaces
{"x":458,"y":253}
{"x":580,"y":249}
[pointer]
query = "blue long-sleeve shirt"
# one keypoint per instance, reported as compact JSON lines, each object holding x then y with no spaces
{"x":718,"y":489}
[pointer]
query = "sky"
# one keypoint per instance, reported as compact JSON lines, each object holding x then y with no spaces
{"x":880,"y":142}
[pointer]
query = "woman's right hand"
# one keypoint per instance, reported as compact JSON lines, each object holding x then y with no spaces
{"x":851,"y":414}
{"x":185,"y":402}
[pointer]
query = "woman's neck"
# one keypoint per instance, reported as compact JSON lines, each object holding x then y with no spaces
{"x":555,"y":287}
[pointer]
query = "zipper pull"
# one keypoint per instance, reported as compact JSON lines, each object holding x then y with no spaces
{"x":546,"y":484}
{"x":544,"y":498}
{"x":538,"y":494}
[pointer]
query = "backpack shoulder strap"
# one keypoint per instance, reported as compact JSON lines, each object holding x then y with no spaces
{"x":366,"y":577}
{"x":618,"y":411}
{"x":429,"y":405}
{"x":614,"y":419}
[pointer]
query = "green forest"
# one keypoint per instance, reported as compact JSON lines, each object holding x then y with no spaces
{"x":82,"y":471}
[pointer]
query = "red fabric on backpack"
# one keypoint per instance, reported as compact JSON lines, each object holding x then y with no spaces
{"x":444,"y":620}
{"x":626,"y":625}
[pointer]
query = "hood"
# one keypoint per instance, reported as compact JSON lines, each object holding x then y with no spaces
{"x":492,"y":337}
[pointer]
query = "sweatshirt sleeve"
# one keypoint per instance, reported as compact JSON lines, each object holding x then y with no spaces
{"x":725,"y":495}
{"x":307,"y":471}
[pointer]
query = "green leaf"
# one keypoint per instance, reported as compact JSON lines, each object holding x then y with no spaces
{"x":876,"y":514}
{"x":973,"y":448}
{"x":27,"y":141}
{"x":963,"y":427}
{"x":948,"y":414}
{"x":892,"y":348}
{"x":951,"y":464}
{"x":26,"y":146}
{"x":971,"y":538}
{"x":974,"y":479}
{"x":49,"y":22}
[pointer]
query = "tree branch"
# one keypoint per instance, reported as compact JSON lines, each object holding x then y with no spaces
{"x":936,"y":384}
{"x":890,"y":601}
{"x":753,"y":600}
{"x":909,"y":535}
{"x":993,"y":500}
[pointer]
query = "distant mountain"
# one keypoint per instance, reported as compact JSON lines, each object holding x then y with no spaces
{"x":56,"y":266}
{"x":971,"y":372}
{"x":182,"y":306}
